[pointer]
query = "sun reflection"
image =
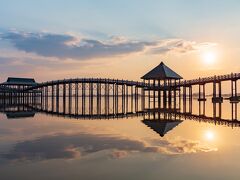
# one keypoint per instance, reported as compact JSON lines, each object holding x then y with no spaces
{"x":209,"y":135}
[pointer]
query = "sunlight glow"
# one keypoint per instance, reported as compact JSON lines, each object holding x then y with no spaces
{"x":209,"y":135}
{"x":209,"y":58}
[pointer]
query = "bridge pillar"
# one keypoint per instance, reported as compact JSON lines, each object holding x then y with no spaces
{"x":126,"y":98}
{"x":46,"y":97}
{"x":143,"y":98}
{"x":108,"y":94}
{"x":57,"y":97}
{"x":98,"y":100}
{"x":201,"y":108}
{"x":41,"y":97}
{"x":91,"y":97}
{"x":215,"y":98}
{"x":234,"y":111}
{"x":123,"y":97}
{"x":136,"y":98}
{"x":64,"y":97}
{"x":217,"y":115}
{"x":190,"y":99}
{"x":202,"y":95}
{"x":69,"y":98}
{"x":52,"y":97}
{"x":186,"y":93}
{"x":117,"y":97}
{"x":234,"y":94}
{"x":132,"y":98}
{"x":76,"y":98}
{"x":83,"y":97}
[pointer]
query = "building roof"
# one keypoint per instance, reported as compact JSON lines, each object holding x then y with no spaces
{"x":161,"y":72}
{"x":20,"y":81}
{"x":162,"y":126}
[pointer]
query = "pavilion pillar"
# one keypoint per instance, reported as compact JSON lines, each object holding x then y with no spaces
{"x":169,"y":93}
{"x":175,"y":94}
{"x":159,"y":94}
{"x":164,"y":94}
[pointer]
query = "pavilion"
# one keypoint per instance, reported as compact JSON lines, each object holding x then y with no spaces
{"x":161,"y":78}
{"x":14,"y":81}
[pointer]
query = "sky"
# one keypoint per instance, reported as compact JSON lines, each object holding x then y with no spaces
{"x":118,"y":39}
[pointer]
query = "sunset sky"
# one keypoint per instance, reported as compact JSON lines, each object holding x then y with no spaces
{"x":118,"y":39}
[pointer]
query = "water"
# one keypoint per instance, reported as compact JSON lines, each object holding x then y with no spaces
{"x":38,"y":143}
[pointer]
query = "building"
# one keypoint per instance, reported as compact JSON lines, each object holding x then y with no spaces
{"x":13,"y":81}
{"x":162,"y":79}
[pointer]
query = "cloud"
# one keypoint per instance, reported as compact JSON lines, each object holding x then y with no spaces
{"x":178,"y":46}
{"x":70,"y":146}
{"x":71,"y":46}
{"x":68,"y":46}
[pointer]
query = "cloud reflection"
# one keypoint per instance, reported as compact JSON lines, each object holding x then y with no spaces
{"x":71,"y":146}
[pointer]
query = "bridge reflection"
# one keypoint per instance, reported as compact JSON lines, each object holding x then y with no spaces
{"x":161,"y":120}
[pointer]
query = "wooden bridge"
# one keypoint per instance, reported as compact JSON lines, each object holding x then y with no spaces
{"x":159,"y":85}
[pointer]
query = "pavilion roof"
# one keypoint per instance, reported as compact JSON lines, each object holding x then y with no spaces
{"x":20,"y":81}
{"x":161,"y":72}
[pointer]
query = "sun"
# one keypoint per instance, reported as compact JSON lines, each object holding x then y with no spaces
{"x":209,"y":135}
{"x":209,"y":58}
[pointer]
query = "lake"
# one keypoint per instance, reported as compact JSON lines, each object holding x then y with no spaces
{"x":111,"y":143}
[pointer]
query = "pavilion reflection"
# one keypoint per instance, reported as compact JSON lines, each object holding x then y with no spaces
{"x":14,"y":111}
{"x":161,"y":121}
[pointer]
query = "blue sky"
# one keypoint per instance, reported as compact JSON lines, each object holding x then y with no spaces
{"x":203,"y":21}
{"x":132,"y":18}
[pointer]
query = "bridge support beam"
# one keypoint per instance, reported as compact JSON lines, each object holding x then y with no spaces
{"x":217,"y":98}
{"x":201,"y":95}
{"x":64,"y":98}
{"x":76,"y":98}
{"x":234,"y":93}
{"x":52,"y":97}
{"x":57,"y":97}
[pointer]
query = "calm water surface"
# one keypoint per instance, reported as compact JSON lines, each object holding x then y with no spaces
{"x":45,"y":146}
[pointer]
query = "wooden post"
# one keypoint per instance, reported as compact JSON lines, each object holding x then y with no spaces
{"x":76,"y":98}
{"x":52,"y":98}
{"x":57,"y":97}
{"x":70,"y":98}
{"x":64,"y":97}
